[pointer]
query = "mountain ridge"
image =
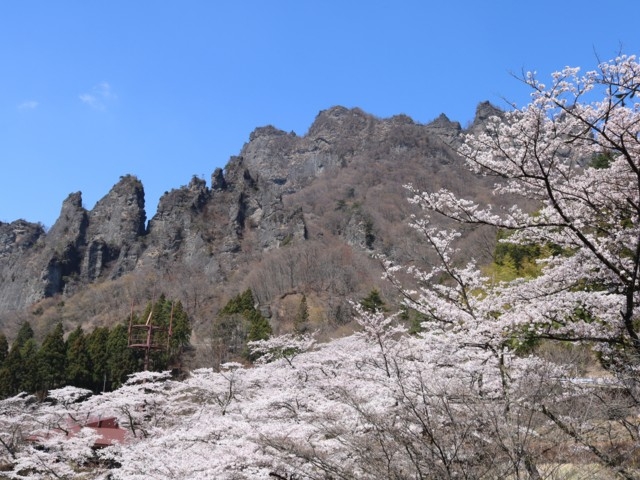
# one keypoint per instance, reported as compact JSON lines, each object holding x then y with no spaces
{"x":336,"y":188}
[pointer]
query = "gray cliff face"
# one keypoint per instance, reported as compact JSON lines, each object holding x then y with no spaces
{"x":267,"y":197}
{"x":446,"y":129}
{"x":18,"y":236}
{"x":119,"y":217}
{"x":116,"y":223}
{"x":20,"y":241}
{"x":177,"y":232}
{"x":63,"y":247}
{"x":81,"y":247}
{"x":484,"y":111}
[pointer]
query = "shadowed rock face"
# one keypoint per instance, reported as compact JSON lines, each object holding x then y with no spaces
{"x":81,"y":247}
{"x":267,"y":197}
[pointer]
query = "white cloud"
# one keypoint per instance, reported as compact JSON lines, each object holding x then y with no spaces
{"x":88,"y":99}
{"x":99,"y":96}
{"x":104,"y":89}
{"x":28,"y":105}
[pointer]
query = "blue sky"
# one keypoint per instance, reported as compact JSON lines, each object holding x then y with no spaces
{"x":92,"y":90}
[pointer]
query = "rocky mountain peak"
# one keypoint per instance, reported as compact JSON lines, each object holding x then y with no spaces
{"x":119,"y":217}
{"x":446,"y":129}
{"x":180,"y":200}
{"x":218,"y":182}
{"x":338,"y":120}
{"x":402,"y":119}
{"x":18,"y":236}
{"x":71,"y":225}
{"x":484,"y":111}
{"x":266,"y":131}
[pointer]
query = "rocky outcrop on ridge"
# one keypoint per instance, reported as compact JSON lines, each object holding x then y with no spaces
{"x":339,"y":184}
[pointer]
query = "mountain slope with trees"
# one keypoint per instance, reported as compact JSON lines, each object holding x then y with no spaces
{"x":290,"y":217}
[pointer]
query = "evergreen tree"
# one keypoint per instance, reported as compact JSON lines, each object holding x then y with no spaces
{"x":237,"y":323}
{"x":412,"y":318}
{"x":4,"y":348}
{"x":78,"y":363}
{"x":158,"y":318}
{"x":6,"y":389}
{"x":601,"y":160}
{"x":24,"y":334}
{"x":52,"y":358}
{"x":180,"y":333}
{"x":98,"y":357}
{"x":121,"y":359}
{"x":506,"y":270}
{"x":11,"y":372}
{"x":302,"y":317}
{"x":168,"y":315}
{"x":239,"y":304}
{"x":229,"y":336}
{"x":513,"y":260}
{"x":259,"y":327}
{"x":373,"y":302}
{"x":30,"y":374}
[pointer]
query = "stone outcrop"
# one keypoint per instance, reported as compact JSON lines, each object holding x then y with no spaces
{"x":484,"y":111}
{"x":81,"y":247}
{"x":446,"y":129}
{"x":20,"y":244}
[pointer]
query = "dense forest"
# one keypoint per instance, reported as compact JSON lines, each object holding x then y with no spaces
{"x":100,"y":360}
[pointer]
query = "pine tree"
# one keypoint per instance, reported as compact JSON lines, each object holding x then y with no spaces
{"x":373,"y":302}
{"x":31,"y":371}
{"x":78,"y":363}
{"x":6,"y":389}
{"x":52,"y":358}
{"x":121,"y":359}
{"x":229,"y":336}
{"x":98,"y":357}
{"x":302,"y":317}
{"x":240,"y":303}
{"x":237,"y":323}
{"x":259,"y":327}
{"x":507,"y":269}
{"x":181,"y":332}
{"x":167,"y":314}
{"x":4,"y":348}
{"x":11,"y":372}
{"x":158,"y":317}
{"x":24,"y":334}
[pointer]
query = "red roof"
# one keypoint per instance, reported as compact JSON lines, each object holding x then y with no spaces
{"x":108,"y":429}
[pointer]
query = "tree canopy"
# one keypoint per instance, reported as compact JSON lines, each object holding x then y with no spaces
{"x":99,"y":361}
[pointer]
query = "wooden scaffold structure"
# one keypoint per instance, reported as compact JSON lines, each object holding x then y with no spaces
{"x":149,"y":337}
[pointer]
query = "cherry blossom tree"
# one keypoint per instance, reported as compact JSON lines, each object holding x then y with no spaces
{"x":575,"y":151}
{"x":15,"y":424}
{"x":37,"y":438}
{"x":544,"y":152}
{"x":286,"y":347}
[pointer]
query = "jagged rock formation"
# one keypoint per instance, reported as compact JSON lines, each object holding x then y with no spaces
{"x":337,"y":187}
{"x":80,"y":248}
{"x":446,"y":129}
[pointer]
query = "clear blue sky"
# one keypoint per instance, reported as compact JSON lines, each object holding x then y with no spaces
{"x":164,"y":90}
